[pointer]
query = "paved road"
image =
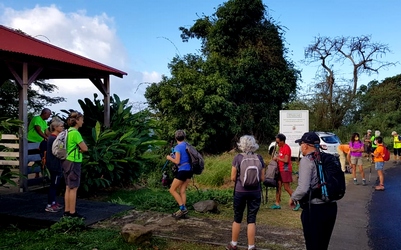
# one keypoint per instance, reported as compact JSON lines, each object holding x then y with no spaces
{"x":384,"y":230}
{"x":369,"y":219}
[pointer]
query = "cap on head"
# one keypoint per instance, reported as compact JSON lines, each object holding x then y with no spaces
{"x":369,"y":131}
{"x":393,"y":133}
{"x":309,"y":138}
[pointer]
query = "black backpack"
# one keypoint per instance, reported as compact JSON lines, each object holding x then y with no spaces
{"x":196,"y":160}
{"x":331,"y":186}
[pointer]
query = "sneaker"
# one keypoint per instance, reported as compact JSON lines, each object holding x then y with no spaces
{"x":252,"y":248}
{"x":296,"y":208}
{"x":51,"y":209}
{"x":65,"y":214}
{"x":231,"y":247}
{"x":76,"y":215}
{"x":379,"y":188}
{"x":58,"y":205}
{"x":275,"y":207}
{"x":363,"y":182}
{"x":355,"y":182}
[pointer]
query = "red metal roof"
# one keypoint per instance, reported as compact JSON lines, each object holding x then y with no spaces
{"x":15,"y":42}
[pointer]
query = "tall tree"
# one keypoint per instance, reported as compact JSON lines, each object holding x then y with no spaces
{"x":360,"y":53}
{"x":37,"y":98}
{"x":236,"y":86}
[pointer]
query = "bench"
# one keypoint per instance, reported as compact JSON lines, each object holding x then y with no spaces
{"x":9,"y":157}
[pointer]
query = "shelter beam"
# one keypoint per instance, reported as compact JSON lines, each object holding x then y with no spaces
{"x":23,"y":116}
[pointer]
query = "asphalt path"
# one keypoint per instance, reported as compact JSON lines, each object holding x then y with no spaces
{"x":369,"y":219}
{"x":384,"y":230}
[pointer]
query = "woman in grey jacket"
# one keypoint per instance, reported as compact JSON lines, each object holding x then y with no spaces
{"x":318,"y":217}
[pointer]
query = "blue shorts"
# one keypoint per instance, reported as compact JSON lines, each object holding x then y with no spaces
{"x":379,"y":165}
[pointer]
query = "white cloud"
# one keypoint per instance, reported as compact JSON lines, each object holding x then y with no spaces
{"x":90,"y":36}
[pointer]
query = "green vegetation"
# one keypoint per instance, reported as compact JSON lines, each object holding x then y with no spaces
{"x":120,"y":153}
{"x":236,"y":86}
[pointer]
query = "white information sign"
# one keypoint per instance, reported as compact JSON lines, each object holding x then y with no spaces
{"x":293,"y":124}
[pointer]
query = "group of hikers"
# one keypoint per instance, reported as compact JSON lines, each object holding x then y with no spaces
{"x":68,"y":168}
{"x":247,"y":173}
{"x":371,"y":148}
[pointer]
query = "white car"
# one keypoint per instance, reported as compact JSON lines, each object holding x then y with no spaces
{"x":328,"y":141}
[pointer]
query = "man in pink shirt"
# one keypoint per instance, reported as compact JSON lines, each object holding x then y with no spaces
{"x":285,"y":170}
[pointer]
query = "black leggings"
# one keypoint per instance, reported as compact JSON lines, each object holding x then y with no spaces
{"x":55,"y":178}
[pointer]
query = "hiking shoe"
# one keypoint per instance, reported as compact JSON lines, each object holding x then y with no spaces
{"x":180,"y":213}
{"x":355,"y":182}
{"x":52,"y":209}
{"x":363,"y":182}
{"x":231,"y":247}
{"x":275,"y":207}
{"x":76,"y":215}
{"x":296,"y":208}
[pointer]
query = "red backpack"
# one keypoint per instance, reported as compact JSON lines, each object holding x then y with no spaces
{"x":386,"y":156}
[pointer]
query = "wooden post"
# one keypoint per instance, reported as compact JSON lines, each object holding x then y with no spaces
{"x":23,"y":141}
{"x":107,"y":102}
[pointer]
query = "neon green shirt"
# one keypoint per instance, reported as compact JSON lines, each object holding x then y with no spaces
{"x":397,"y":143}
{"x":73,"y":139}
{"x":372,"y":139}
{"x":33,"y":135}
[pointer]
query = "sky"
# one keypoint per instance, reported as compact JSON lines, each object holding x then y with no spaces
{"x":142,"y":37}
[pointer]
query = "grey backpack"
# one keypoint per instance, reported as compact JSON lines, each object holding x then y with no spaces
{"x":271,"y":174}
{"x":59,"y":147}
{"x":249,"y":171}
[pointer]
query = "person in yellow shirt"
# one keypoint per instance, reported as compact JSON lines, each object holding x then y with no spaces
{"x":378,"y":155}
{"x":396,"y":146}
{"x":343,"y":151}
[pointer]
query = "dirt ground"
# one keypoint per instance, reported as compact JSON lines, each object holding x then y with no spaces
{"x":205,"y":230}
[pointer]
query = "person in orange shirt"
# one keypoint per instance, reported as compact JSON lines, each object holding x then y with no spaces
{"x":379,"y":162}
{"x":343,"y":151}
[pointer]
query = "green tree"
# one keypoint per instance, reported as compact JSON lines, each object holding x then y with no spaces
{"x":380,"y":105}
{"x":37,"y":97}
{"x":236,"y":86}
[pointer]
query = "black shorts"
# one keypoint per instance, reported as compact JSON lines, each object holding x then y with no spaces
{"x":251,"y":200}
{"x":397,"y":151}
{"x":184,"y":175}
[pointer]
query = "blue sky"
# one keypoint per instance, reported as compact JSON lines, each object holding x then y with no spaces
{"x":142,"y":37}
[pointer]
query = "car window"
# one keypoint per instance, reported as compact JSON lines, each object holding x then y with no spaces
{"x":329,"y":139}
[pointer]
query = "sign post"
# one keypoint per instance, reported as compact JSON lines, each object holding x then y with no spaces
{"x":293,"y":124}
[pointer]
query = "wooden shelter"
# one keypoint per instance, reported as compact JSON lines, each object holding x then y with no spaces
{"x":25,"y":59}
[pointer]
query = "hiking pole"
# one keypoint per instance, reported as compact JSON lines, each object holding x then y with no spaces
{"x":370,"y":169}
